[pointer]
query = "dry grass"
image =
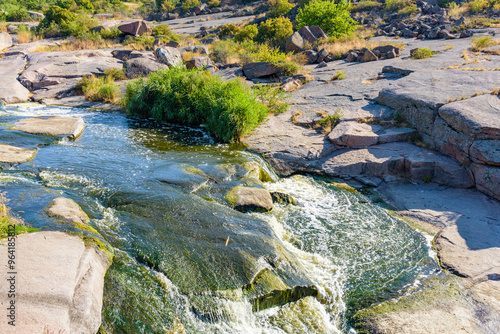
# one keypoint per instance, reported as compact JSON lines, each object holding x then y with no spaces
{"x":27,"y":37}
{"x":457,"y":10}
{"x":73,"y":44}
{"x":448,"y":47}
{"x":295,"y":116}
{"x":188,"y":55}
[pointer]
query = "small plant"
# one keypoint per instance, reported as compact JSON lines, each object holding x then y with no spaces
{"x":116,"y":74}
{"x":213,"y":3}
{"x":338,"y":76}
{"x":178,"y":328}
{"x":272,"y":96}
{"x":427,"y":179}
{"x":279,"y":8}
{"x":397,"y":5}
{"x":328,"y":122}
{"x":398,"y":118}
{"x":408,"y":10}
{"x":448,"y":47}
{"x":189,"y":4}
{"x":478,"y":5}
{"x":99,"y":89}
{"x":483,"y":42}
{"x":335,"y":19}
{"x":422,"y":53}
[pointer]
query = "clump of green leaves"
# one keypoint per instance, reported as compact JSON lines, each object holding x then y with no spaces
{"x":328,"y":122}
{"x":164,"y":30}
{"x":335,"y":19}
{"x":340,"y":75}
{"x":422,"y":53}
{"x":479,"y":43}
{"x":228,"y":30}
{"x":247,"y":33}
{"x":101,"y":88}
{"x":272,"y":96}
{"x":228,"y":109}
{"x":275,"y":31}
{"x":189,"y":4}
{"x":279,"y":8}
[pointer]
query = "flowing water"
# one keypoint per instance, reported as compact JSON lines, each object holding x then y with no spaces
{"x":146,"y":191}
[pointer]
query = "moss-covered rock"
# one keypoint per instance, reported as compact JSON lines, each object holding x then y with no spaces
{"x":250,"y":199}
{"x":282,"y":198}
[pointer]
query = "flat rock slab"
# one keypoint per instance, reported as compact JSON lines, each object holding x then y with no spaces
{"x":250,"y":198}
{"x":400,"y":160}
{"x":67,"y":210}
{"x":51,"y":126}
{"x":356,"y":135}
{"x":12,"y":154}
{"x":59,"y":284}
{"x":478,"y":117}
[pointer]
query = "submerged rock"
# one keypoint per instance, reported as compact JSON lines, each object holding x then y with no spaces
{"x":60,"y":282}
{"x":210,"y":251}
{"x":282,"y":198}
{"x":250,"y":199}
{"x":12,"y":154}
{"x":67,"y":210}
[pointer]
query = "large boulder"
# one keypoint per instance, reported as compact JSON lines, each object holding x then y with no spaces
{"x":305,"y":35}
{"x":259,"y":70}
{"x":135,"y":28}
{"x":59,"y":284}
{"x":5,"y":40}
{"x":198,"y":62}
{"x":250,"y":198}
{"x":168,"y":56}
{"x":51,"y":126}
{"x":11,"y":90}
{"x":12,"y":154}
{"x":142,"y":67}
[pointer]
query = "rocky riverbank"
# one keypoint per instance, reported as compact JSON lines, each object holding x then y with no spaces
{"x":424,"y":135}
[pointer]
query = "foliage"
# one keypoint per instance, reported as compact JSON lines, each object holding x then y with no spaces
{"x":328,"y":122}
{"x":164,"y":30}
{"x":422,"y":53}
{"x":189,"y":4}
{"x":275,"y":31}
{"x":248,"y":32}
{"x":7,"y":221}
{"x":334,"y":19}
{"x":396,"y":5}
{"x":338,"y":76}
{"x":99,"y":89}
{"x":279,"y":8}
{"x":57,"y":20}
{"x":272,"y":96}
{"x":111,"y":33}
{"x":228,"y":29}
{"x":408,"y":10}
{"x":365,"y":5}
{"x":478,"y":5}
{"x":479,"y":43}
{"x":228,"y":109}
{"x":213,"y":3}
{"x":19,"y":15}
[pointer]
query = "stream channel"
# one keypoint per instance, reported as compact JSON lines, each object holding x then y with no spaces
{"x":156,"y":195}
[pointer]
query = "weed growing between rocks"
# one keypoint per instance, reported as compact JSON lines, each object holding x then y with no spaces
{"x":422,"y":53}
{"x":480,"y":43}
{"x":7,"y":221}
{"x":328,"y":122}
{"x":103,"y":88}
{"x":340,"y":75}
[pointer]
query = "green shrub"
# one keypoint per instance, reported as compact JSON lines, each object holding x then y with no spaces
{"x":248,"y":32}
{"x":275,"y":31}
{"x":479,"y":43}
{"x":111,"y":33}
{"x":161,"y":29}
{"x":19,"y":15}
{"x":85,"y":5}
{"x":334,"y":19}
{"x":229,"y":109}
{"x":279,"y":8}
{"x":397,"y":5}
{"x":340,"y":75}
{"x":272,"y":96}
{"x":189,"y":4}
{"x":478,"y":5}
{"x":56,"y":16}
{"x":408,"y":10}
{"x":99,"y":89}
{"x":116,"y":74}
{"x":228,"y":30}
{"x":213,"y":3}
{"x":422,"y":53}
{"x":365,"y":5}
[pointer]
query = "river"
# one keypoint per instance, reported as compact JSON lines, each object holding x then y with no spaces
{"x":156,"y":195}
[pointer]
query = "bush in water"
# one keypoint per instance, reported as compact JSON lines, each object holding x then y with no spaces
{"x":229,"y":109}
